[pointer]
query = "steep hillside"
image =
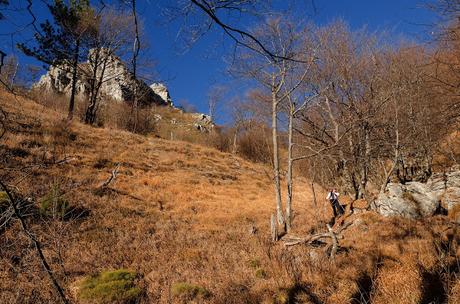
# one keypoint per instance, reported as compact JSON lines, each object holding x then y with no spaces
{"x":193,"y":223}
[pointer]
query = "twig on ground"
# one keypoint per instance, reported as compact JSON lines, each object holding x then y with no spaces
{"x":112,"y":177}
{"x":311,"y":239}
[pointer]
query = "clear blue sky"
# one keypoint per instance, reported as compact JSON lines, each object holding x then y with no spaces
{"x":189,"y":74}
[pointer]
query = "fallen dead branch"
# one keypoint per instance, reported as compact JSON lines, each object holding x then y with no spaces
{"x":112,"y":177}
{"x":38,"y":247}
{"x":334,"y":236}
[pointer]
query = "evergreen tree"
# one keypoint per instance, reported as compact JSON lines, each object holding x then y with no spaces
{"x":61,"y":42}
{"x":3,"y":3}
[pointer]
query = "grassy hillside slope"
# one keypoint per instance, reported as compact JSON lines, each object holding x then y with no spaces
{"x":193,"y":223}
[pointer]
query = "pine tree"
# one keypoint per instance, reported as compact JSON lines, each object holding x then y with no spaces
{"x":61,"y":42}
{"x":3,"y":3}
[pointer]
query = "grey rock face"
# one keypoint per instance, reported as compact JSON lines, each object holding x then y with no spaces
{"x":203,"y":122}
{"x":416,"y":200}
{"x":118,"y":83}
{"x":162,"y":91}
{"x":412,"y":200}
{"x":58,"y":79}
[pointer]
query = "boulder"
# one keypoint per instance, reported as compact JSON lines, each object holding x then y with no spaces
{"x":446,"y":186}
{"x":412,"y":200}
{"x":162,"y":91}
{"x":203,"y":122}
{"x":450,"y":198}
{"x":416,"y":199}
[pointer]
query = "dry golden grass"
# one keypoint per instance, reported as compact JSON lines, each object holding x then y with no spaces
{"x":180,"y":213}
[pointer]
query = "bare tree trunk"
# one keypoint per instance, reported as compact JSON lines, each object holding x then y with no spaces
{"x":274,"y":228}
{"x":289,"y":168}
{"x":92,"y":100}
{"x":235,"y":138}
{"x":366,"y":162}
{"x":335,"y":242}
{"x":276,"y":161}
{"x":136,"y":48}
{"x":92,"y":108}
{"x":396,"y":150}
{"x":74,"y":80}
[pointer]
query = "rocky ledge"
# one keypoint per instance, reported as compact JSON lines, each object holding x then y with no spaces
{"x":118,"y":83}
{"x":440,"y":194}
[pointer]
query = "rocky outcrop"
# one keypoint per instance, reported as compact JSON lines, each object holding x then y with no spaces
{"x":162,"y":91}
{"x":58,"y":80}
{"x":118,"y":83}
{"x":412,"y":200}
{"x":203,"y":122}
{"x":416,"y":199}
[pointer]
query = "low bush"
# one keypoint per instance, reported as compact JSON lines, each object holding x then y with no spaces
{"x":116,"y":286}
{"x":260,"y":273}
{"x":53,"y":204}
{"x":3,"y":197}
{"x":254,"y":263}
{"x":281,"y":296}
{"x":221,"y":139}
{"x":254,"y":145}
{"x":4,"y":201}
{"x":189,"y":291}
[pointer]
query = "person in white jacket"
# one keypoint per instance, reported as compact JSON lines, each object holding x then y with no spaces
{"x":333,"y":197}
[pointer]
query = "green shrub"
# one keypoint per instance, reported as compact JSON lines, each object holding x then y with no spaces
{"x":261,"y":274}
{"x":4,"y":197}
{"x":255,"y":263}
{"x":189,"y":291}
{"x":4,"y":200}
{"x":53,"y":204}
{"x":117,"y":286}
{"x":281,"y":297}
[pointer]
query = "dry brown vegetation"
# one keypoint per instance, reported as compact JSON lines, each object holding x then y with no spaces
{"x":251,"y":142}
{"x":180,"y":214}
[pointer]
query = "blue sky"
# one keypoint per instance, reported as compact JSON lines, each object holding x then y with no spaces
{"x":190,"y":73}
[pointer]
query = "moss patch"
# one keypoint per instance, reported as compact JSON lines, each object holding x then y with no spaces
{"x":4,"y":197}
{"x":254,"y":263}
{"x":53,"y":204}
{"x":117,"y":286}
{"x":189,"y":291}
{"x":260,"y":273}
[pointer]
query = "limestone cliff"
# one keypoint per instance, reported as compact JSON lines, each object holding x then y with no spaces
{"x":118,"y":83}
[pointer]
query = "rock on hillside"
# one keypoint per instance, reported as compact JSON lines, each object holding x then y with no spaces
{"x":416,"y":200}
{"x":118,"y":82}
{"x":412,"y":200}
{"x":162,"y":91}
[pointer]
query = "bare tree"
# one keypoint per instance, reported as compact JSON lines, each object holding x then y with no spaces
{"x":340,"y":122}
{"x":110,"y":39}
{"x":280,"y":79}
{"x":215,"y":98}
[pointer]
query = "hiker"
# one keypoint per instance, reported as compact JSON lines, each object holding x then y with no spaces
{"x":333,"y":197}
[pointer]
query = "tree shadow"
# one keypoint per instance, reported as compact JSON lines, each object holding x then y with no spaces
{"x":366,"y":282}
{"x":76,"y":213}
{"x":301,"y":290}
{"x":433,"y":288}
{"x":363,"y":295}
